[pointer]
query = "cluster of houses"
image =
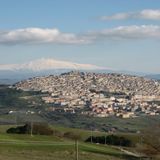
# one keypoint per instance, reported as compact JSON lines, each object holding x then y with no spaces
{"x":98,"y":105}
{"x":99,"y":95}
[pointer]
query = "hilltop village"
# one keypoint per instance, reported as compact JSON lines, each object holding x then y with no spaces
{"x":98,"y":95}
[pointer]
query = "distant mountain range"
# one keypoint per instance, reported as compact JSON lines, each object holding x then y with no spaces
{"x":11,"y":73}
{"x":153,"y":76}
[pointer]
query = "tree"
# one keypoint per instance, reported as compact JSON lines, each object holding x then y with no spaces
{"x":111,"y":140}
{"x":34,"y":128}
{"x":72,"y":136}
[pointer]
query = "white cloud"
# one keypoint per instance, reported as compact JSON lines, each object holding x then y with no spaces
{"x":39,"y":35}
{"x":148,"y":14}
{"x":118,"y":16}
{"x":54,"y":36}
{"x":128,"y":32}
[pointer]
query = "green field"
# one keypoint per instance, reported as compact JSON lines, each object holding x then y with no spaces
{"x":38,"y":147}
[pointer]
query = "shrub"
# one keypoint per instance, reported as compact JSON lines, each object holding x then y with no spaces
{"x":19,"y":130}
{"x":37,"y":128}
{"x":72,"y":136}
{"x":111,"y":140}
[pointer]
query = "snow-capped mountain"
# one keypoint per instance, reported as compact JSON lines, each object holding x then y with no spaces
{"x":47,"y":64}
{"x":11,"y":73}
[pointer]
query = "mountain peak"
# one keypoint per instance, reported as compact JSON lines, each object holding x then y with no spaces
{"x":49,"y":64}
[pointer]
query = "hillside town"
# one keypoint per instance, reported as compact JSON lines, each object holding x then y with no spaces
{"x":98,"y":95}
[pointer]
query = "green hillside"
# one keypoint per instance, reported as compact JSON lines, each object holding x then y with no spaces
{"x":38,"y":147}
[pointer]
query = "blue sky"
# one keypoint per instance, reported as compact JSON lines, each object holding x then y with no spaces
{"x":123,"y":35}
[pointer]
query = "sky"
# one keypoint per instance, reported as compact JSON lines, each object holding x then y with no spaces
{"x":116,"y":34}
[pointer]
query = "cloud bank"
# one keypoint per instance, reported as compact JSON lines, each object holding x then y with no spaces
{"x":128,"y":32}
{"x":39,"y":35}
{"x":148,"y":14}
{"x":54,"y":36}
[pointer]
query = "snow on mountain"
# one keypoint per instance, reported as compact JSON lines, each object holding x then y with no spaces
{"x":48,"y":64}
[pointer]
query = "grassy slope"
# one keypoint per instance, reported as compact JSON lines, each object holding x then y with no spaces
{"x":25,"y":147}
